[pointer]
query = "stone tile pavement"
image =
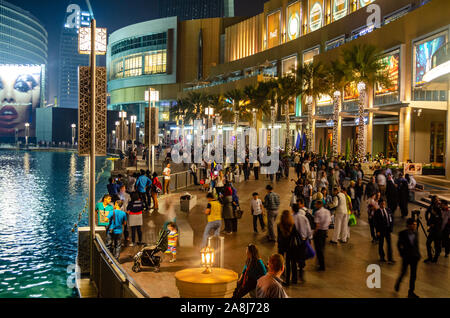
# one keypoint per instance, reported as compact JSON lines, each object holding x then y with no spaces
{"x":345,"y":276}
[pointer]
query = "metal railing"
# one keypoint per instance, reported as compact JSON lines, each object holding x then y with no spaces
{"x":440,"y":56}
{"x":111,"y":280}
{"x":180,"y":180}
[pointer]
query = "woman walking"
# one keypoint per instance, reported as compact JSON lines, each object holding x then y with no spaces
{"x":286,"y":237}
{"x":228,"y":212}
{"x":134,"y":210}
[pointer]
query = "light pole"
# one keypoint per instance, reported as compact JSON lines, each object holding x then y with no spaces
{"x":73,"y":134}
{"x":117,"y":134}
{"x":113,"y":141}
{"x":133,"y":120}
{"x":152,"y":97}
{"x":27,"y":132}
{"x":123,"y":130}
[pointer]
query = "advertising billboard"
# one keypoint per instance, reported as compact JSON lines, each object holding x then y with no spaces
{"x":392,"y":67}
{"x":351,"y":92}
{"x":422,"y":56}
{"x":340,"y":9}
{"x":293,"y":21}
{"x":315,"y":15}
{"x":273,"y":29}
{"x":20,"y":95}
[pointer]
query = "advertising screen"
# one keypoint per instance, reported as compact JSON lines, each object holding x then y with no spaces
{"x":351,"y":92}
{"x":294,"y":22}
{"x":20,"y":95}
{"x":273,"y":29}
{"x":315,"y":15}
{"x":340,"y":9}
{"x":423,"y":53}
{"x":392,"y":67}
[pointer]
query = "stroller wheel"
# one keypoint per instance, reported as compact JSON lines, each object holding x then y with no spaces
{"x":136,"y":268}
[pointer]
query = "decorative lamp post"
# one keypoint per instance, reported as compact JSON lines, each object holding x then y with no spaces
{"x":123,"y":130}
{"x":133,"y":120}
{"x":27,"y":132}
{"x":73,"y":134}
{"x":361,"y":128}
{"x":113,"y":141}
{"x":117,"y":134}
{"x":309,"y":102}
{"x":152,"y":97}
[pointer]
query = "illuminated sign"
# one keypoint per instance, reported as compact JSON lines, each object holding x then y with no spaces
{"x":423,"y":53}
{"x":273,"y":29}
{"x":438,"y":71}
{"x":76,"y":18}
{"x":340,"y":8}
{"x":315,"y":16}
{"x":351,"y":92}
{"x":392,"y":67}
{"x":363,"y":3}
{"x":85,"y":41}
{"x":294,"y":22}
{"x":20,"y":95}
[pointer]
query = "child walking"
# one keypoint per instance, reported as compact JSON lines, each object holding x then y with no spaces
{"x":172,"y":241}
{"x":257,"y":213}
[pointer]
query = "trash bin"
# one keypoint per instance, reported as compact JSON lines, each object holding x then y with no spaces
{"x":185,"y":203}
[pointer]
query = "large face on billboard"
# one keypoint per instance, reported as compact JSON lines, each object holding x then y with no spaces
{"x":20,"y":94}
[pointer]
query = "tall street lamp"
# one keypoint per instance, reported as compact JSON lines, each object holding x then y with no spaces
{"x":117,"y":134}
{"x":123,"y":131}
{"x":152,"y":97}
{"x":73,"y":134}
{"x":133,"y":120}
{"x":27,"y":132}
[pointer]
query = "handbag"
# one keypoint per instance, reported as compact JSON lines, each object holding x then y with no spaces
{"x":352,"y":220}
{"x":238,"y":213}
{"x":310,"y":253}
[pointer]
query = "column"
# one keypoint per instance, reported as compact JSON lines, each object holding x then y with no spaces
{"x":404,"y":134}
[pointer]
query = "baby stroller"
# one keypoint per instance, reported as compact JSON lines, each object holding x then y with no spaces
{"x":147,"y":256}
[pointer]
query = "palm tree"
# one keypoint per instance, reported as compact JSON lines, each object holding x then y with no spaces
{"x":336,"y":82}
{"x":287,"y":91}
{"x":197,"y":102}
{"x":256,"y":96}
{"x":235,"y":97}
{"x":312,"y":78}
{"x":179,"y":110}
{"x":364,"y":67}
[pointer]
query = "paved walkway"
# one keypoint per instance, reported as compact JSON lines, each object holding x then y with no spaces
{"x":345,"y":276}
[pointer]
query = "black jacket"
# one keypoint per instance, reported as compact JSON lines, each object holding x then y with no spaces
{"x":408,"y":251}
{"x":382,"y":224}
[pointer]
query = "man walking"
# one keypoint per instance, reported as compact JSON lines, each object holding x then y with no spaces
{"x":408,"y":247}
{"x":271,"y":204}
{"x":214,"y":213}
{"x":322,"y":218}
{"x":194,"y":170}
{"x":141,"y":186}
{"x":383,"y":226}
{"x":340,"y":217}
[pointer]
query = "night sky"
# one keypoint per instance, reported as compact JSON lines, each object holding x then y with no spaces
{"x":112,"y":14}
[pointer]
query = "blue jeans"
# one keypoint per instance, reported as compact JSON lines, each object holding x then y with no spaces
{"x":215,"y":226}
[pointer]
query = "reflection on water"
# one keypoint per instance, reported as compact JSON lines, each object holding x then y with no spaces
{"x":42,"y":196}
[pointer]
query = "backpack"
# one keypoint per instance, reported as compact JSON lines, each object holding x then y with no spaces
{"x":157,"y":185}
{"x":311,"y":220}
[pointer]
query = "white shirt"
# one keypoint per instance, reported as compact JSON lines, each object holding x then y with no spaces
{"x":323,"y":218}
{"x":167,"y":173}
{"x":381,"y":179}
{"x":302,"y":225}
{"x":412,"y":183}
{"x":256,"y":206}
{"x":340,"y":203}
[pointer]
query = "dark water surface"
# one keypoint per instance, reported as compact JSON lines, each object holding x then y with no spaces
{"x":41,"y":197}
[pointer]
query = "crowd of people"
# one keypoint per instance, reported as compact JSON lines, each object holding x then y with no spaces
{"x":326,"y":195}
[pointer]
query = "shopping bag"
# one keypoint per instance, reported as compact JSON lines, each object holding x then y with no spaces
{"x":352,"y":220}
{"x":310,"y":253}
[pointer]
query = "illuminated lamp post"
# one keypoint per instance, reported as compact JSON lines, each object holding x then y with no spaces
{"x":133,"y":120}
{"x":117,"y":134}
{"x":27,"y":132}
{"x":152,"y":97}
{"x":73,"y":134}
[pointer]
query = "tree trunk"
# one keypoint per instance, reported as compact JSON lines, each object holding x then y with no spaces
{"x":361,"y":127}
{"x":288,"y":128}
{"x":309,"y":131}
{"x":336,"y":105}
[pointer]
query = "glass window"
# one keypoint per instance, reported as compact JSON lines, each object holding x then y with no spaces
{"x":133,"y":65}
{"x":288,"y":64}
{"x":335,"y":43}
{"x":156,"y":62}
{"x":437,"y":142}
{"x":308,"y":56}
{"x":117,"y":69}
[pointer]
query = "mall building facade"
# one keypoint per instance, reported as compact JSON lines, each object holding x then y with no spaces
{"x":408,"y":121}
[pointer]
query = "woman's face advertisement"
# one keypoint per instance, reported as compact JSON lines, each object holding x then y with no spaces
{"x":20,"y":94}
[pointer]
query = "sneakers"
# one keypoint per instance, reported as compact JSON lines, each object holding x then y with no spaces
{"x":342,"y":241}
{"x":333,"y":242}
{"x":412,"y":295}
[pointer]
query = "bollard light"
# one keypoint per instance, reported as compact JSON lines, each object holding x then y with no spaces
{"x":207,"y":254}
